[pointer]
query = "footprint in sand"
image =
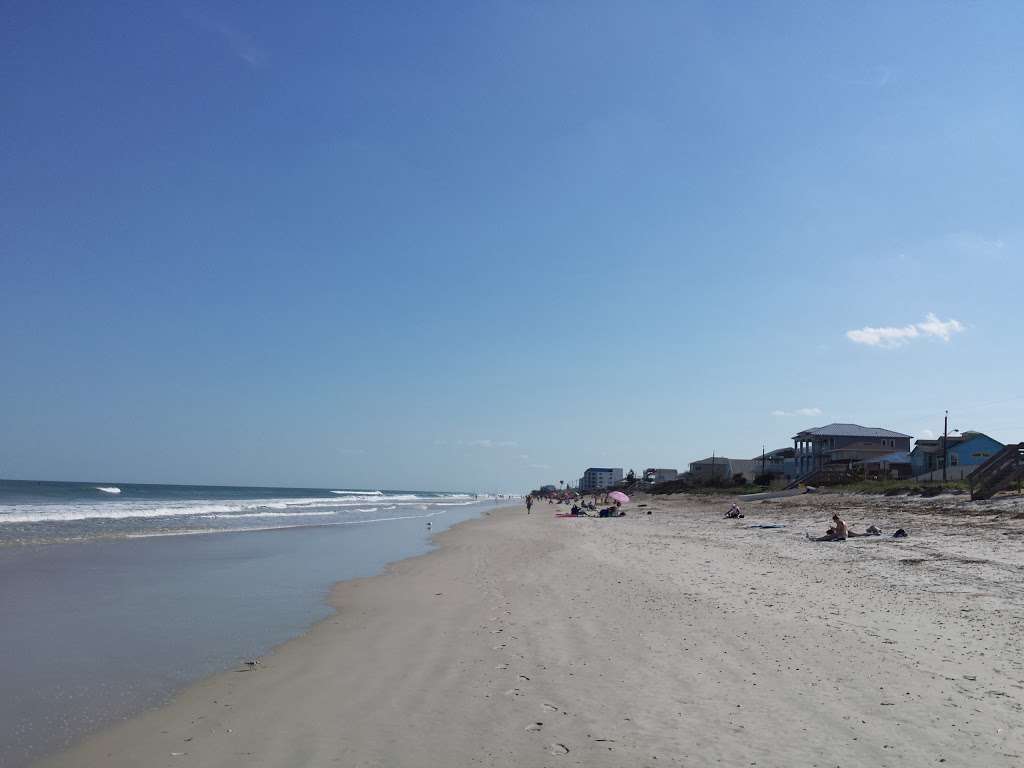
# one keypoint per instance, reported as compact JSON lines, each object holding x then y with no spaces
{"x":534,"y":727}
{"x":512,"y":692}
{"x":558,"y":749}
{"x":549,"y":707}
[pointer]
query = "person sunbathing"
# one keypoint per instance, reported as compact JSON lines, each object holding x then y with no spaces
{"x":839,"y":531}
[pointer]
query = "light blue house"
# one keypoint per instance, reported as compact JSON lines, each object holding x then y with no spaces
{"x":965,"y":451}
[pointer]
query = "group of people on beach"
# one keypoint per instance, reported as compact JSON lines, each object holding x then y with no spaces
{"x":839,"y":530}
{"x":582,"y":508}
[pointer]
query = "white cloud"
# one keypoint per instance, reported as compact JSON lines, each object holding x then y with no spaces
{"x":890,"y":337}
{"x":926,"y":434}
{"x":238,"y":42}
{"x":932,"y":326}
{"x":487,"y":443}
{"x":975,"y":244}
{"x":799,"y":412}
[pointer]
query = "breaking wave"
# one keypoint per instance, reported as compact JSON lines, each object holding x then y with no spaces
{"x":128,"y":509}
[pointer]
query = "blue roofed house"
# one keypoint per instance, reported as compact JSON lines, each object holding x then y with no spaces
{"x":845,"y":444}
{"x":966,"y":451}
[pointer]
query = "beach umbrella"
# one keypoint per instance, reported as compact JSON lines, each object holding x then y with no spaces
{"x":619,"y":496}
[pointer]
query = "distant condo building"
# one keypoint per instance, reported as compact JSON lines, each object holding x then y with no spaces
{"x":599,"y":478}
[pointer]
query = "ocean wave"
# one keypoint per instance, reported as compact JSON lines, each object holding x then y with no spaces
{"x":359,"y":493}
{"x":108,"y":489}
{"x":125,"y":510}
{"x":237,"y":515}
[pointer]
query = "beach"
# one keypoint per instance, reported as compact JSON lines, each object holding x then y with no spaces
{"x":113,"y":602}
{"x":674,"y":638}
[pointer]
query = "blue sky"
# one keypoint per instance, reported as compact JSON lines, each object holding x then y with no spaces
{"x":486,"y":245}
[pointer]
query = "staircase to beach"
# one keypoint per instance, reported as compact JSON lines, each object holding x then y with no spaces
{"x":999,"y":473}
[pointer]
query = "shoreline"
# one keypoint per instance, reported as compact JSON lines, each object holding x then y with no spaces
{"x":676,"y":638}
{"x":103,"y":630}
{"x":332,"y":601}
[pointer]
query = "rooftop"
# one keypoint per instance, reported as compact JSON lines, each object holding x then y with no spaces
{"x":848,"y":430}
{"x":778,"y":453}
{"x":933,"y":445}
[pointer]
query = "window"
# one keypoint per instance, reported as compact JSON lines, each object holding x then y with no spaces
{"x":953,"y":459}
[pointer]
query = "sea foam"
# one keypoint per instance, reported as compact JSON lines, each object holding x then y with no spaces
{"x":125,"y":510}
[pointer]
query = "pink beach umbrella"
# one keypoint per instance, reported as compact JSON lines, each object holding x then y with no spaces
{"x":619,"y":496}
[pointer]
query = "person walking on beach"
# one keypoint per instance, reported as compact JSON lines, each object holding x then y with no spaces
{"x":529,"y":503}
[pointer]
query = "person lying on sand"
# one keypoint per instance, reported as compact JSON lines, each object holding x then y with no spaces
{"x":733,"y":513}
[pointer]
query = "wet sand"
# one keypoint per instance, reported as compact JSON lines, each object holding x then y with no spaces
{"x":676,"y":638}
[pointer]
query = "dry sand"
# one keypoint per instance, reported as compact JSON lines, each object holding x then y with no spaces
{"x":676,"y":638}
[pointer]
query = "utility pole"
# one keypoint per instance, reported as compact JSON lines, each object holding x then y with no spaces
{"x":945,"y":436}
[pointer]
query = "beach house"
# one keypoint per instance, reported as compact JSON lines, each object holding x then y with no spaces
{"x":599,"y":478}
{"x":723,"y":470}
{"x":780,"y":463}
{"x":966,"y":451}
{"x":660,"y":475}
{"x":844,"y":445}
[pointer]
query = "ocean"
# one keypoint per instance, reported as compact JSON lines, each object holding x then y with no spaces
{"x":115,"y":595}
